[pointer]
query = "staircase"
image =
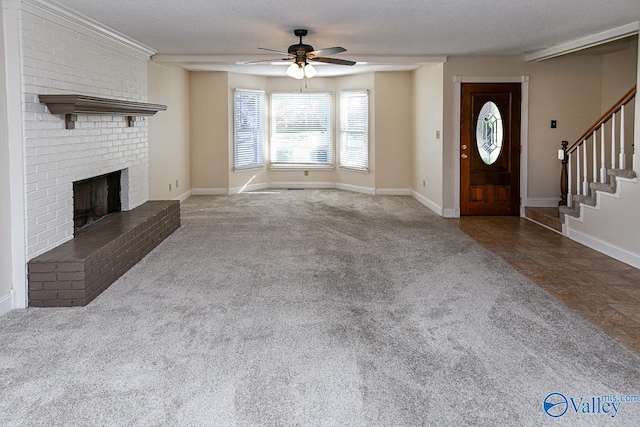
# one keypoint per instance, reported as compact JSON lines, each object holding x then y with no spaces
{"x":591,"y":199}
{"x":600,"y":191}
{"x":604,"y":143}
{"x":600,"y":195}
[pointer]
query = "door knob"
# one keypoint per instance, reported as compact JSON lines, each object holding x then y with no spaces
{"x":464,"y":147}
{"x":464,"y":156}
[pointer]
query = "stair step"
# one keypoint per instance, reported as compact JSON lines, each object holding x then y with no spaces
{"x":607,"y":188}
{"x":565,"y":210}
{"x":545,"y":216}
{"x":622,"y":173}
{"x":587,"y":200}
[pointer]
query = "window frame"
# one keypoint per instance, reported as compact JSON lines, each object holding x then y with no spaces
{"x":340,"y":132}
{"x":293,"y":165}
{"x":260,"y":132}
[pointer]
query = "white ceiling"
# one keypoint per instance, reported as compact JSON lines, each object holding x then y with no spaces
{"x":387,"y":34}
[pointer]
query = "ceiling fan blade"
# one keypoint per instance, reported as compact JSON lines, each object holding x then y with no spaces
{"x":267,"y":60}
{"x":327,"y":51}
{"x":273,"y":50}
{"x":333,"y":61}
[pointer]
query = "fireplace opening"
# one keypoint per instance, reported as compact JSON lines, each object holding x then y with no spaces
{"x":95,"y":199}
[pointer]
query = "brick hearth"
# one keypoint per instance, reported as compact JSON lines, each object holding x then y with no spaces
{"x":77,"y":271}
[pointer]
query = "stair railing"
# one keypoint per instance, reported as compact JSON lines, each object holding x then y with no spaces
{"x":577,"y":154}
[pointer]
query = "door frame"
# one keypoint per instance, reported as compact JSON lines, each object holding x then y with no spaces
{"x":524,"y":131}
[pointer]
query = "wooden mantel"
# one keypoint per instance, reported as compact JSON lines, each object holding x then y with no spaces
{"x":71,"y":105}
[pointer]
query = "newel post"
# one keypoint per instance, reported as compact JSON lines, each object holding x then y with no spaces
{"x":564,"y":177}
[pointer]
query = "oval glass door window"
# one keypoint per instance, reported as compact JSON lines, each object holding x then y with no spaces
{"x":489,"y":133}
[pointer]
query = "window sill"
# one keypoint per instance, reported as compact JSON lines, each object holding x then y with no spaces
{"x":347,"y":169}
{"x":300,"y":167}
{"x":248,"y":168}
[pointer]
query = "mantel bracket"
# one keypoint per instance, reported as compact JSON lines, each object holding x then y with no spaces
{"x":70,"y":121}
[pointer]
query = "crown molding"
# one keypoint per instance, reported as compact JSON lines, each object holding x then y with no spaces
{"x":585,"y":42}
{"x":64,"y":16}
{"x":235,"y":59}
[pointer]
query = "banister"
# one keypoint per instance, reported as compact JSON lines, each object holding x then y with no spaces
{"x":564,"y":176}
{"x":606,"y":116}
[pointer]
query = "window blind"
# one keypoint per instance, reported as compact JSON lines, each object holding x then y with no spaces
{"x":248,"y":129}
{"x":353,"y":129}
{"x":301,"y":129}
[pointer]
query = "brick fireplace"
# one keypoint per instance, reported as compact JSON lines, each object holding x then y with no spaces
{"x":77,"y":271}
{"x":54,"y":51}
{"x":106,"y":242}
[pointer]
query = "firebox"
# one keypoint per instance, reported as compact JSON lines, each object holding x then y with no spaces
{"x":94,"y":199}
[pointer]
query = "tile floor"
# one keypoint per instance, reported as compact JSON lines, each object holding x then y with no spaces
{"x":603,"y":290}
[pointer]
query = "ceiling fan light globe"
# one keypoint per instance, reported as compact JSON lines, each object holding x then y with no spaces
{"x":295,"y":71}
{"x":310,"y":71}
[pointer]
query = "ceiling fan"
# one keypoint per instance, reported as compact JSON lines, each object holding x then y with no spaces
{"x":303,"y":53}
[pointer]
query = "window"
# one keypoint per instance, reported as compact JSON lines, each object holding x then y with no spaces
{"x":353,"y":130}
{"x":248,"y":129}
{"x":301,"y":132}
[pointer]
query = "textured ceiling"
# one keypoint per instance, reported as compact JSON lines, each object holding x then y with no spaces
{"x":392,"y":29}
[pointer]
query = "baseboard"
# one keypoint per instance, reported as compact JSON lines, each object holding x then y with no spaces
{"x":450,"y":213}
{"x":428,"y":203}
{"x":184,"y":196}
{"x":604,"y":247}
{"x":355,"y":188}
{"x":209,"y":191}
{"x":6,"y":303}
{"x":393,"y":191}
{"x":543,"y":202}
{"x":301,"y":185}
{"x":248,"y":187}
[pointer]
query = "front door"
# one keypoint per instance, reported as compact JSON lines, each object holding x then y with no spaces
{"x":490,"y":149}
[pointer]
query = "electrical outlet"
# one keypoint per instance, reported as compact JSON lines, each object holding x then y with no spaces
{"x":306,"y":173}
{"x":424,"y":183}
{"x":169,"y":187}
{"x":176,"y":183}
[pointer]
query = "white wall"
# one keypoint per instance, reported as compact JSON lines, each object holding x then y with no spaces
{"x":427,"y":167}
{"x":169,"y":142}
{"x":58,"y":59}
{"x":619,"y":73}
{"x":393,"y":127}
{"x":6,"y":302}
{"x":209,"y":128}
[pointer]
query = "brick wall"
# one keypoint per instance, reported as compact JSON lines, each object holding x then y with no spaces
{"x":77,"y":271}
{"x":58,"y":59}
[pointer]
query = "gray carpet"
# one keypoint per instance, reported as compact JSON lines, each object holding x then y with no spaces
{"x":311,"y":308}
